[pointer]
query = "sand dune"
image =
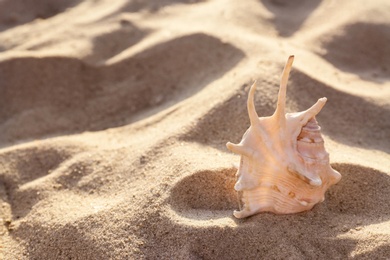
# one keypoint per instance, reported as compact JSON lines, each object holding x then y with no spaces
{"x":114,"y":117}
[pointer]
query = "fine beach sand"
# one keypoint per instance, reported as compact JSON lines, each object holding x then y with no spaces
{"x":114,"y":117}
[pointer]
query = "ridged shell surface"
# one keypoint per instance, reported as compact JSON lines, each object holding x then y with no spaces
{"x":284,"y":167}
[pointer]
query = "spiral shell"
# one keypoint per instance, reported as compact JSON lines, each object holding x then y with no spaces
{"x":284,"y":166}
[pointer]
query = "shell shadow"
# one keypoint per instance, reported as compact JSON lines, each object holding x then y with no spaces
{"x":289,"y":15}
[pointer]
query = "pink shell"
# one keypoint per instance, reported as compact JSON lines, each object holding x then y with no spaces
{"x":284,"y":166}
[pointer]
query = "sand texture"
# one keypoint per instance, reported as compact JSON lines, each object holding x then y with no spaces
{"x":114,"y":117}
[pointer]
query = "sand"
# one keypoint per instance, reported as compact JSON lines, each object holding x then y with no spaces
{"x":114,"y":117}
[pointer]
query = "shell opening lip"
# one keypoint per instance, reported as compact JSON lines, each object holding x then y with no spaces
{"x":311,"y":180}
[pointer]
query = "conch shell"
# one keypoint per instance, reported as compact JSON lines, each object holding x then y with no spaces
{"x":284,"y":167}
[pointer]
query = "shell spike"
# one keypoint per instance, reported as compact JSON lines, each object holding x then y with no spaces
{"x":240,"y":149}
{"x":312,"y":111}
{"x":280,"y":107}
{"x":253,"y":117}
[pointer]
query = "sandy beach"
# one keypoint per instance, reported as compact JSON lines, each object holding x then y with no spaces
{"x":114,"y":117}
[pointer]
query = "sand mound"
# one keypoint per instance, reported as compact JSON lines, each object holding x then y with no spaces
{"x":114,"y":117}
{"x":94,"y":98}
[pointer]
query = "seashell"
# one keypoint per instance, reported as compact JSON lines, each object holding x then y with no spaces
{"x":284,"y":167}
